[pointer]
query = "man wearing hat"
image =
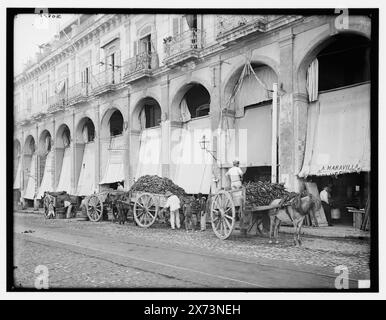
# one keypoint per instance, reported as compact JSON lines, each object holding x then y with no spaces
{"x":235,"y":175}
{"x":173,"y":203}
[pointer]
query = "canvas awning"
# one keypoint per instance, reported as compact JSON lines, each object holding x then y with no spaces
{"x":86,"y":182}
{"x":114,"y":171}
{"x":16,"y":182}
{"x":193,"y":164}
{"x":31,"y":174}
{"x":338,"y":133}
{"x":46,"y":184}
{"x":149,"y":161}
{"x":65,"y":173}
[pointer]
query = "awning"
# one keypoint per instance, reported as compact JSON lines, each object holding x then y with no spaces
{"x":16,"y":182}
{"x":149,"y":161}
{"x":254,"y":140}
{"x":31,"y":174}
{"x":193,"y":165}
{"x":46,"y":184}
{"x":86,"y":183}
{"x":114,"y":171}
{"x":65,"y":173}
{"x":338,"y":133}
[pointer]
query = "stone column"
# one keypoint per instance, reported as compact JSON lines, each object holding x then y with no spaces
{"x":53,"y":149}
{"x":300,"y":132}
{"x":215,"y":111}
{"x":286,"y":111}
{"x":97,"y":138}
{"x":126,"y":156}
{"x":165,"y":128}
{"x":37,"y":170}
{"x":73,"y":155}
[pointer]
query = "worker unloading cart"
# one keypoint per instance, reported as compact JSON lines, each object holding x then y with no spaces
{"x":235,"y":175}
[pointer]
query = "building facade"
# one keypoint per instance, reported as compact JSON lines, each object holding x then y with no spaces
{"x":114,"y":97}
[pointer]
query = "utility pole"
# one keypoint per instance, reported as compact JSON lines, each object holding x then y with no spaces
{"x":274,"y":135}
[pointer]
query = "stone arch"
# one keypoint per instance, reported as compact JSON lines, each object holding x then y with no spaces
{"x":63,"y":136}
{"x":105,"y":130}
{"x":16,"y":148}
{"x":317,"y":44}
{"x":29,"y":145}
{"x":181,"y":92}
{"x":234,"y":75}
{"x":256,"y":60}
{"x":45,"y":142}
{"x":80,"y":135}
{"x":149,"y":105}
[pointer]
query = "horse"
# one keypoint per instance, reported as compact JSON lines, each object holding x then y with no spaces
{"x":296,"y":211}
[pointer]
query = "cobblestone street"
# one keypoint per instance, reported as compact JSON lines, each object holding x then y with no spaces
{"x":93,"y":255}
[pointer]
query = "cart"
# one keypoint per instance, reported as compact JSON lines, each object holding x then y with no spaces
{"x":224,"y":206}
{"x":100,"y":204}
{"x":53,"y":203}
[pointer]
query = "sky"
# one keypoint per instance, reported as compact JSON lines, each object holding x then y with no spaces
{"x":31,"y":30}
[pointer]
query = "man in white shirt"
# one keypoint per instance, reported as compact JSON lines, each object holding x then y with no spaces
{"x":120,"y":186}
{"x":235,"y":175}
{"x":173,"y":203}
{"x":325,"y":196}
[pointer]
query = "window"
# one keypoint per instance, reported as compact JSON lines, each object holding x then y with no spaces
{"x":153,"y":115}
{"x":85,"y":76}
{"x":346,"y":61}
{"x":198,"y":101}
{"x":116,"y":123}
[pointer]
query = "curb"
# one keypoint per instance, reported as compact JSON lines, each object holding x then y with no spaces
{"x":330,"y":236}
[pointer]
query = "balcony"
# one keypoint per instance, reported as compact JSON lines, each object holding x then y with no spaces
{"x":183,"y":47}
{"x":141,"y":66}
{"x":78,"y":93}
{"x":233,"y":27}
{"x":107,"y":80}
{"x":57,"y":102}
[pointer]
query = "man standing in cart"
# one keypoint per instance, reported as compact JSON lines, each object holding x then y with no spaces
{"x":235,"y":175}
{"x":173,"y":203}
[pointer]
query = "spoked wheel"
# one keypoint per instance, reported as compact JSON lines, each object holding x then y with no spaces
{"x":94,"y":208}
{"x":145,"y":210}
{"x":223,"y":214}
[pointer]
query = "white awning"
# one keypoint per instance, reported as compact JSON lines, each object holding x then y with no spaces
{"x":46,"y":184}
{"x":86,"y":183}
{"x":149,"y":161}
{"x":193,"y":164}
{"x":16,"y":182}
{"x":338,"y":133}
{"x":65,"y":173}
{"x":31,"y":174}
{"x":114,"y":171}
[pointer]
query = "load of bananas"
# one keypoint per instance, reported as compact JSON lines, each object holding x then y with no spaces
{"x":262,"y":193}
{"x":158,"y":185}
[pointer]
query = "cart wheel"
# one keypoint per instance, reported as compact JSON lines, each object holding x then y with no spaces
{"x":94,"y":208}
{"x":223,"y":214}
{"x":145,"y":210}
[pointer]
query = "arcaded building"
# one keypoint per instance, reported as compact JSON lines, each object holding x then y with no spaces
{"x":117,"y":96}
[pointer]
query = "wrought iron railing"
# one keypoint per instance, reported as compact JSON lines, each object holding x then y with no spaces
{"x":78,"y":90}
{"x":226,"y":23}
{"x":106,"y":78}
{"x":189,"y":40}
{"x":141,"y":62}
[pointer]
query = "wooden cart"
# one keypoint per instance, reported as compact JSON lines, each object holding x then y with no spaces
{"x":224,"y":206}
{"x":100,"y":204}
{"x":146,"y":208}
{"x":53,"y":203}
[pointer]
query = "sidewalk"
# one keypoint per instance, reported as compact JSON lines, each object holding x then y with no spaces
{"x":330,"y":232}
